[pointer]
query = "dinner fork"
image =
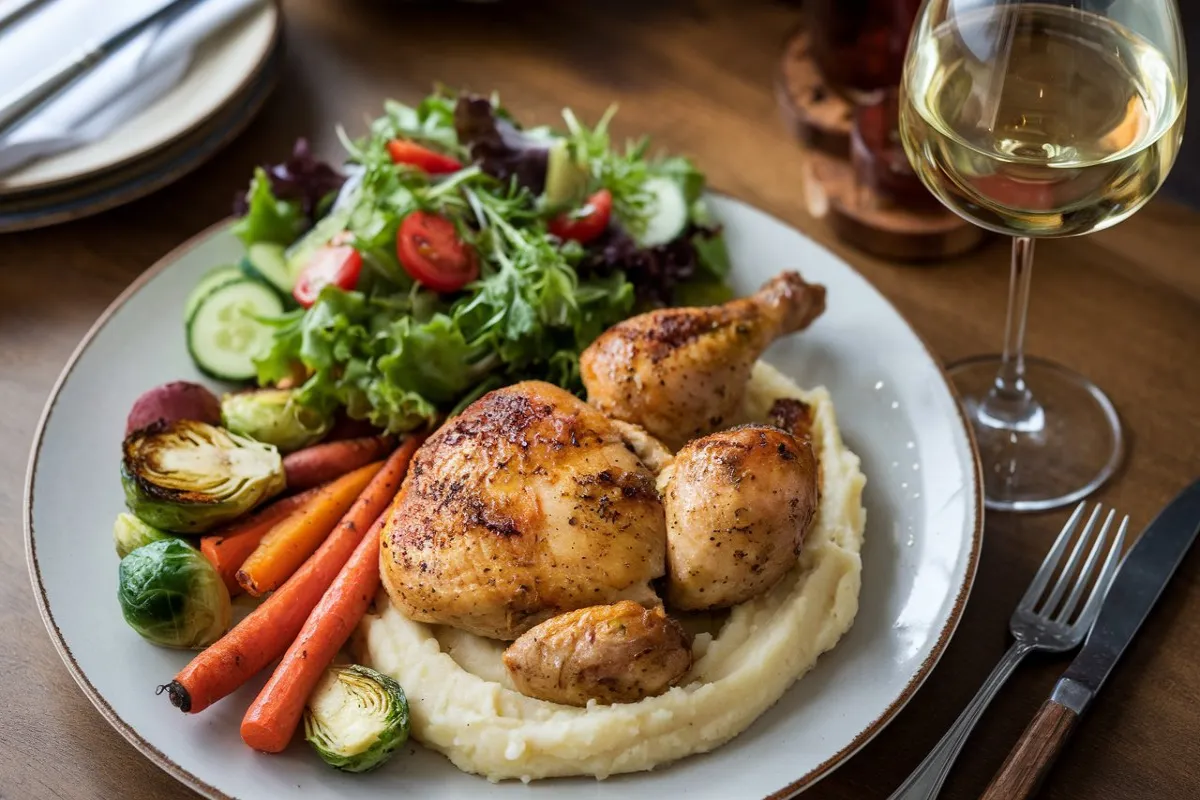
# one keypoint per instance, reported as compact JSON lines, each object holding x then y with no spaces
{"x":1035,"y":626}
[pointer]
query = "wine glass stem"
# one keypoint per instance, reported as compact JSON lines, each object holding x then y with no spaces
{"x":1009,"y":404}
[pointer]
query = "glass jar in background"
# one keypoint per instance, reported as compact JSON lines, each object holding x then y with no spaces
{"x":859,"y":45}
{"x":878,"y":157}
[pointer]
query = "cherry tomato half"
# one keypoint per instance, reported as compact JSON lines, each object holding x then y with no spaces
{"x":586,"y":223}
{"x":337,"y":263}
{"x":403,"y":151}
{"x":431,"y":252}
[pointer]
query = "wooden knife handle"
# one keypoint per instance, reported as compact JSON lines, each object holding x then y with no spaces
{"x":1031,"y":758}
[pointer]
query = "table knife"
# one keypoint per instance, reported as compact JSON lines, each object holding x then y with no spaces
{"x":26,"y":99}
{"x":1144,"y":572}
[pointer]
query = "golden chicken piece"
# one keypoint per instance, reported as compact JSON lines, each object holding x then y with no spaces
{"x":681,"y":372}
{"x":792,"y":415}
{"x":738,"y":505}
{"x":526,"y":505}
{"x":617,"y":653}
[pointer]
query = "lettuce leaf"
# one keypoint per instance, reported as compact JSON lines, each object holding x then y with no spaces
{"x":400,"y":370}
{"x":286,"y":199}
{"x":267,"y":218}
{"x":500,"y":148}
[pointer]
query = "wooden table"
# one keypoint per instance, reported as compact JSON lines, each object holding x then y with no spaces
{"x":1122,"y":307}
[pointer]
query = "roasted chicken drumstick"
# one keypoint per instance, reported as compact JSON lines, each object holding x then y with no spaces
{"x":681,"y":372}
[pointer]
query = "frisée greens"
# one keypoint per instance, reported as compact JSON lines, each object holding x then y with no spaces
{"x":553,"y":234}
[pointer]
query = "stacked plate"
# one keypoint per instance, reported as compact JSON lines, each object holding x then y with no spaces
{"x":227,"y":81}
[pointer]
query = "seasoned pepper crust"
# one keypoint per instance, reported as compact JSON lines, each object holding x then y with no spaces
{"x":527,"y":505}
{"x":739,"y":504}
{"x":792,"y":415}
{"x":680,"y":372}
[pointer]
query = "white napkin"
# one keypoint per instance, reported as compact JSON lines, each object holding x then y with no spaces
{"x":116,"y":89}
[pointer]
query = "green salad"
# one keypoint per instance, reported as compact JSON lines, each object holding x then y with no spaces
{"x":453,"y":253}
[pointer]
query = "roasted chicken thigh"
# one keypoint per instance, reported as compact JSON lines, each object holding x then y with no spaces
{"x":681,"y":372}
{"x":738,"y":505}
{"x":526,"y":505}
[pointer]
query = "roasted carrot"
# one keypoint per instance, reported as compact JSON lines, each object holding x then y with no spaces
{"x":289,"y":544}
{"x":322,"y":463}
{"x":272,"y":718}
{"x":265,"y":634}
{"x":230,"y":545}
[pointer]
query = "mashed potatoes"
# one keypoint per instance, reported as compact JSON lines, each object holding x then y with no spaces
{"x":463,"y":705}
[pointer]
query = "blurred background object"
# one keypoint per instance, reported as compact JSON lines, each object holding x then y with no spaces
{"x":837,"y":88}
{"x":148,"y":103}
{"x":860,"y":45}
{"x":854,"y":55}
{"x":1184,"y":181}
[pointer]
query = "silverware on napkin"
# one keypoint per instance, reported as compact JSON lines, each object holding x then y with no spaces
{"x":1140,"y":580}
{"x":28,"y":98}
{"x":1036,"y":625}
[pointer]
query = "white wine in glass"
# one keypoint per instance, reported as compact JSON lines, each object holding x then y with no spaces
{"x":1042,"y":119}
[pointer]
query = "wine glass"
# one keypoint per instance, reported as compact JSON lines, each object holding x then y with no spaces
{"x":1039,"y":119}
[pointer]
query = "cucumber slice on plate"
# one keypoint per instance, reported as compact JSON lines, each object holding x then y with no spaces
{"x":213,"y":279}
{"x":669,"y":212}
{"x":224,"y":336}
{"x":264,"y":261}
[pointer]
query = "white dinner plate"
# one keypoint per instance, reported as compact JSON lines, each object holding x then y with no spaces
{"x":223,"y":68}
{"x":895,"y":408}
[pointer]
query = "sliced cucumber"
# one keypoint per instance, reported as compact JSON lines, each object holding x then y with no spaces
{"x":213,"y":279}
{"x":264,"y":261}
{"x":669,"y":212}
{"x":298,"y":255}
{"x":223,"y":335}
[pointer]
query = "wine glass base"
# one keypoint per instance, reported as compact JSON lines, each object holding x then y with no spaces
{"x":1062,"y":451}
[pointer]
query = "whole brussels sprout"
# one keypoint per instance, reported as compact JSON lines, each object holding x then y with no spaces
{"x":273,"y":416}
{"x":172,"y":595}
{"x":355,"y":718}
{"x":188,"y":476}
{"x":130,"y":533}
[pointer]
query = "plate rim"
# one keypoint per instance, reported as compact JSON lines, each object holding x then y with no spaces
{"x":199,"y":785}
{"x":243,"y":88}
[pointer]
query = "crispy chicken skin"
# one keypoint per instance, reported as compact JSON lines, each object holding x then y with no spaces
{"x":618,"y":653}
{"x":526,"y":505}
{"x":792,"y":415}
{"x":681,"y":372}
{"x":738,"y":506}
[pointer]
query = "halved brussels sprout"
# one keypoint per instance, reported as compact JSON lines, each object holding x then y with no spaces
{"x":355,"y":718}
{"x":189,"y":476}
{"x":130,"y":533}
{"x":273,"y":416}
{"x":172,"y":595}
